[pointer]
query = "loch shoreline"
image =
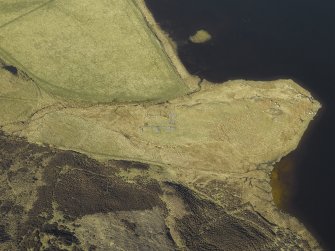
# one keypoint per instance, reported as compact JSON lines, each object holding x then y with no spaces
{"x":282,"y":40}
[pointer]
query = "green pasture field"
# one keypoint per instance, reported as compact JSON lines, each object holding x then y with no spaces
{"x":98,"y":51}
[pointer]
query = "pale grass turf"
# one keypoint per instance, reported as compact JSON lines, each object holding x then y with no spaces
{"x":97,"y":51}
{"x":11,"y":10}
{"x":18,"y":98}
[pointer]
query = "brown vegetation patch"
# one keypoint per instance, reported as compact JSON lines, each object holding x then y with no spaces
{"x":3,"y":235}
{"x":79,"y":193}
{"x":61,"y":184}
{"x":215,"y":229}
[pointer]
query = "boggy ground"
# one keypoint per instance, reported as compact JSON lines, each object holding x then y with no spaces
{"x":62,"y":200}
{"x":88,"y":168}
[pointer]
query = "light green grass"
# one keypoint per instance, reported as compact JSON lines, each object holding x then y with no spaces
{"x":18,"y":98}
{"x":11,"y":10}
{"x":97,"y":51}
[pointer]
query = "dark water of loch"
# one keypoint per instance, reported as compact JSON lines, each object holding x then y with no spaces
{"x":265,"y":40}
